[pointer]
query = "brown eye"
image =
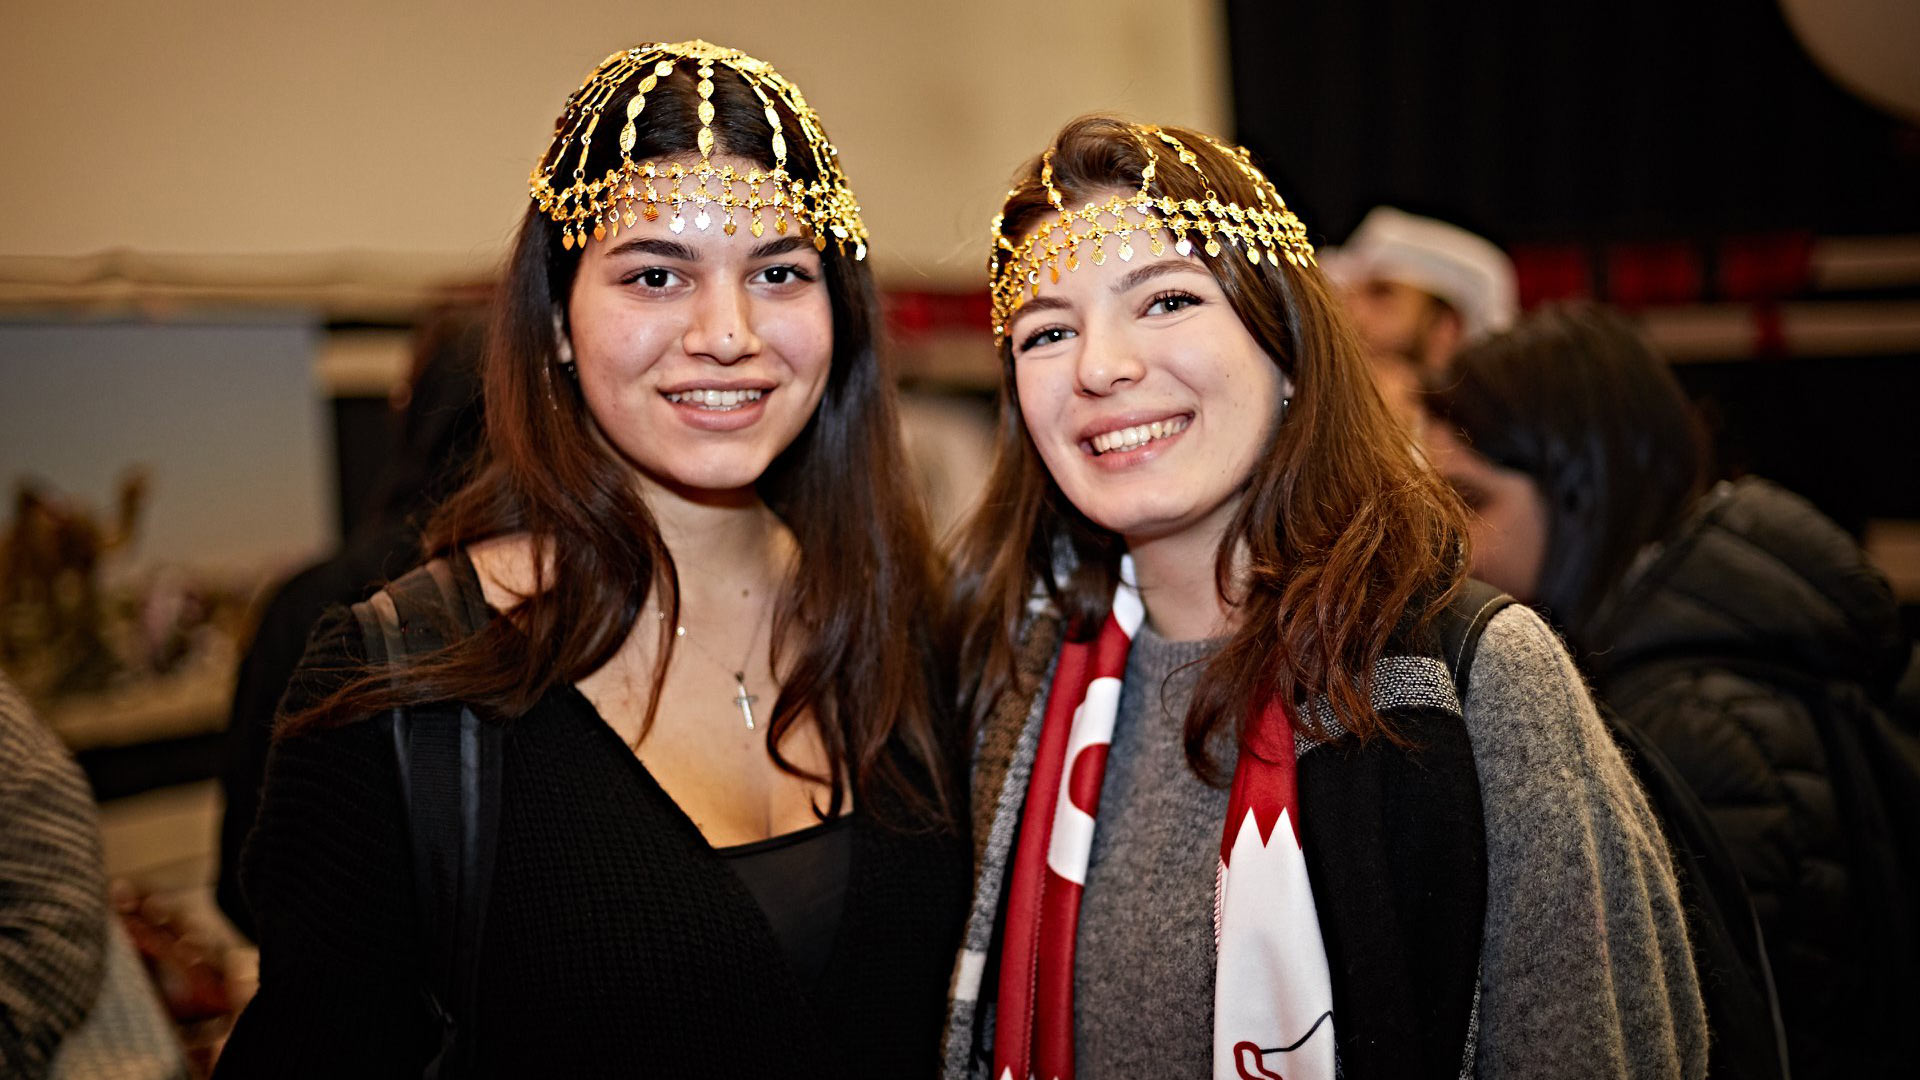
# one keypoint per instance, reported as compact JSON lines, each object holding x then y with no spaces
{"x":1049,"y":336}
{"x":653,"y":277}
{"x":1170,"y":302}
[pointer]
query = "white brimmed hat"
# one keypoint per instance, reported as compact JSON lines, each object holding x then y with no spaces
{"x":1465,"y":270}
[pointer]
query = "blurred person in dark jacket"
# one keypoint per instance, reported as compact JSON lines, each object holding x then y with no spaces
{"x":1736,"y":627}
{"x":438,"y":433}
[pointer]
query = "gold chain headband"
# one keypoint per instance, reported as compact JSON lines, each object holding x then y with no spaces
{"x":1267,"y":228}
{"x":824,"y":207}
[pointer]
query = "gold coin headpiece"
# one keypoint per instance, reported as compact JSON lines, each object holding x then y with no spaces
{"x":1265,"y":230}
{"x":707,"y":193}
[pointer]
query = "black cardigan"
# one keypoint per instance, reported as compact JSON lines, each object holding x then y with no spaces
{"x":616,"y":943}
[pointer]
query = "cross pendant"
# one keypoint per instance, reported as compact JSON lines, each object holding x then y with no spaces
{"x":744,"y":699}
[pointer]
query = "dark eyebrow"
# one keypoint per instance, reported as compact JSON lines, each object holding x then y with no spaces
{"x":1150,"y":271}
{"x":1126,"y":281}
{"x":653,"y":245}
{"x":781,"y":246}
{"x":661,"y":248}
{"x":1039,"y":303}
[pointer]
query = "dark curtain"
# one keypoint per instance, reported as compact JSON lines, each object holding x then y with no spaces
{"x":1575,"y":120}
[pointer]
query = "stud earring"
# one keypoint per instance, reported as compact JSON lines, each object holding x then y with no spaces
{"x":563,"y":347}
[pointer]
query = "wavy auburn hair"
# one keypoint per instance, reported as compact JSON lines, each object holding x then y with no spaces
{"x":1342,"y":536}
{"x":853,"y":626}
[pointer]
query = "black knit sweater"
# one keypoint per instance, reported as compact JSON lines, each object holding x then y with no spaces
{"x":616,"y":942}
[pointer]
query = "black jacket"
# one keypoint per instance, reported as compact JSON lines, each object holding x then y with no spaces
{"x":1753,"y":647}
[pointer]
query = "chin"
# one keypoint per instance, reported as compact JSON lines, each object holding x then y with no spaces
{"x":1138,"y":519}
{"x":718,"y":477}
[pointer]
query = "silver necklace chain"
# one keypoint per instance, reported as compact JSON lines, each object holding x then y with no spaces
{"x":741,"y":699}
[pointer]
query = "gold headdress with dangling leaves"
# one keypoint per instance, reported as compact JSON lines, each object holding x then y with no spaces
{"x":602,"y":205}
{"x":1265,"y":230}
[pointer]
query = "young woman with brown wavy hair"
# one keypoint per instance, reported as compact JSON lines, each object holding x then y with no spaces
{"x":1203,"y":607}
{"x":694,"y":596}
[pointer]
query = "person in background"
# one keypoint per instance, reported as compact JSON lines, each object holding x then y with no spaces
{"x":438,"y":432}
{"x":1418,"y":289}
{"x":75,"y":1002}
{"x":1739,"y":630}
{"x":53,"y":892}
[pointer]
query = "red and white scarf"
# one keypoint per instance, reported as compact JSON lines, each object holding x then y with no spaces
{"x":1273,"y":997}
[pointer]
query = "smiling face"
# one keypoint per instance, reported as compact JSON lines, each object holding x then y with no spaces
{"x":1148,"y":399}
{"x":701,"y":356}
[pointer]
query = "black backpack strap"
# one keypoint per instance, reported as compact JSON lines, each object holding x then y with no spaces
{"x":1459,"y":627}
{"x":449,"y":763}
{"x":1462,"y":622}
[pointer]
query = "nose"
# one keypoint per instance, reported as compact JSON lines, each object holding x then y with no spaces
{"x":1105,"y":364}
{"x":722,"y":326}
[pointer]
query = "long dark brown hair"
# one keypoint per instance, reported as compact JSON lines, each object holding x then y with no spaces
{"x":1343,"y":530}
{"x":852,"y":629}
{"x":1578,"y":400}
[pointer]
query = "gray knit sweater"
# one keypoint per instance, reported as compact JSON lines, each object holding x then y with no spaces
{"x":53,"y":893}
{"x":1585,"y":964}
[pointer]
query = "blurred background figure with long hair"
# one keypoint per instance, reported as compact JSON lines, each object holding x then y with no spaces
{"x":1735,"y":626}
{"x":434,"y":443}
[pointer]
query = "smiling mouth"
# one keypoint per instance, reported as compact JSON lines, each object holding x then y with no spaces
{"x":716,"y":400}
{"x":1133,"y":438}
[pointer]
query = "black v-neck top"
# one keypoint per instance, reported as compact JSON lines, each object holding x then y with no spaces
{"x":800,"y":880}
{"x":617,"y":940}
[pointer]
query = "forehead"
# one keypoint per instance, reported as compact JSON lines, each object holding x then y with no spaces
{"x":1075,"y":267}
{"x":682,"y":211}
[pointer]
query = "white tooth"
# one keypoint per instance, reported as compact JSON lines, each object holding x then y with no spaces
{"x":712,"y":398}
{"x":729,"y":399}
{"x":1136,"y":435}
{"x":1156,"y":429}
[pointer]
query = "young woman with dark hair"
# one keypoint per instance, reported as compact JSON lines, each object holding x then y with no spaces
{"x":1578,"y":408}
{"x":725,"y":841}
{"x":1202,"y":610}
{"x":1735,"y":628}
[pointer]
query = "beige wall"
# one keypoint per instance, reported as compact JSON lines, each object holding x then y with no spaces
{"x":402,"y":133}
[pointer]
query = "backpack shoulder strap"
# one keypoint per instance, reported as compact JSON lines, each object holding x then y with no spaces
{"x":1462,"y":622}
{"x":449,"y":762}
